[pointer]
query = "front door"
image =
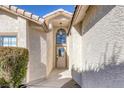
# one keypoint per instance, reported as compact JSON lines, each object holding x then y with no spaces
{"x":61,"y":57}
{"x":61,"y":54}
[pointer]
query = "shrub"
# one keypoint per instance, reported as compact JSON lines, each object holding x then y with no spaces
{"x":3,"y":83}
{"x":13,"y":66}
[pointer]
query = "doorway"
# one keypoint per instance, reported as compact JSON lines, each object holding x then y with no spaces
{"x":61,"y":54}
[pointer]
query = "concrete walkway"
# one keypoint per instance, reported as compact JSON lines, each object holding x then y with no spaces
{"x":56,"y":79}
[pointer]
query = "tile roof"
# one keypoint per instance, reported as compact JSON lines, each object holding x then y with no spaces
{"x":23,"y":13}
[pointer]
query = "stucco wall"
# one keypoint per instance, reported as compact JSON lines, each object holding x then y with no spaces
{"x":75,"y":56}
{"x":102,"y":47}
{"x":38,"y":55}
{"x":68,"y":53}
{"x":76,"y":46}
{"x":27,"y":37}
{"x":50,"y":61}
{"x":13,"y":25}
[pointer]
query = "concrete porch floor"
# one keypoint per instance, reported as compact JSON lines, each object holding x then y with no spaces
{"x":57,"y":79}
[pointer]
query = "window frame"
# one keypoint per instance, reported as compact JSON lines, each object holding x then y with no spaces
{"x":9,"y":35}
{"x":65,"y":34}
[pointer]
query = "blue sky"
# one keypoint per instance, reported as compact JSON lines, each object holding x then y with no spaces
{"x":44,"y":9}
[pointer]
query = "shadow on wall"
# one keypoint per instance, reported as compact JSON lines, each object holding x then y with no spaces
{"x":93,"y":17}
{"x":78,"y":28}
{"x":68,"y":64}
{"x":96,"y":16}
{"x":67,"y":59}
{"x":108,"y":74}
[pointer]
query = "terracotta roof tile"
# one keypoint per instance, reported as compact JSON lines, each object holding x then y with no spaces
{"x":24,"y":13}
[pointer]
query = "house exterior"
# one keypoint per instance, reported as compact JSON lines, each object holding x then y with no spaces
{"x":88,"y":42}
{"x":23,"y":29}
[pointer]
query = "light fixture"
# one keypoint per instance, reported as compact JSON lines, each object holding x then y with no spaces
{"x":60,"y":25}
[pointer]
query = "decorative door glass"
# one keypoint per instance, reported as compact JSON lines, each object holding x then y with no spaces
{"x":61,"y":52}
{"x":61,"y":37}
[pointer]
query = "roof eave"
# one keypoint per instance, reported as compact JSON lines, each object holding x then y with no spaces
{"x":39,"y":21}
{"x":79,"y":13}
{"x":56,"y":11}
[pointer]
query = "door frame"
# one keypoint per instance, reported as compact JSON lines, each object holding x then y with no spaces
{"x":63,"y":46}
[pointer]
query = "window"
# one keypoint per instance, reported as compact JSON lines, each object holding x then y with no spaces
{"x":61,"y":52}
{"x":61,"y":36}
{"x":7,"y":40}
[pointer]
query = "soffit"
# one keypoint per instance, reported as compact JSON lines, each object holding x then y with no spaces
{"x":79,"y":14}
{"x":58,"y":17}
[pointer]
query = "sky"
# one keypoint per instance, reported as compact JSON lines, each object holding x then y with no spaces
{"x":41,"y":10}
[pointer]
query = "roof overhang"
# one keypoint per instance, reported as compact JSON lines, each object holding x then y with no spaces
{"x":54,"y":13}
{"x":80,"y":13}
{"x":78,"y":16}
{"x":26,"y":15}
{"x":58,"y":16}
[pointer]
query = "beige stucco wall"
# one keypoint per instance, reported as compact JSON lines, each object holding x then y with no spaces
{"x":37,"y":68}
{"x":50,"y":56}
{"x":68,"y":53}
{"x":27,"y":37}
{"x":102,"y":47}
{"x":75,"y":56}
{"x":75,"y":45}
{"x":41,"y":44}
{"x":13,"y":25}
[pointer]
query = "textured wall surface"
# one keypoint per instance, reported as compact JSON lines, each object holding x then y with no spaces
{"x":28,"y":37}
{"x":75,"y":56}
{"x":38,"y":55}
{"x":103,"y":47}
{"x":13,"y":25}
{"x":75,"y":47}
{"x":50,"y":56}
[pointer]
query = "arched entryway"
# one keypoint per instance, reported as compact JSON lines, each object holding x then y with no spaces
{"x":61,"y":54}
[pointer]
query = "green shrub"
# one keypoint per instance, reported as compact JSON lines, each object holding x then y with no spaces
{"x":3,"y":83}
{"x":13,"y":65}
